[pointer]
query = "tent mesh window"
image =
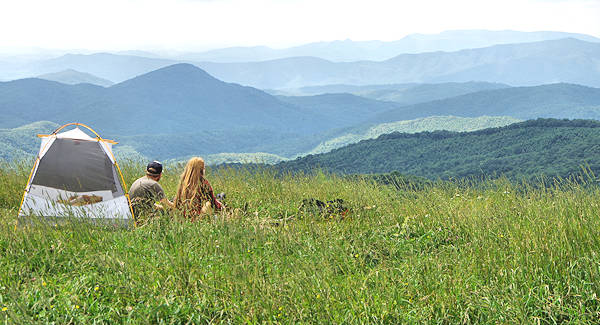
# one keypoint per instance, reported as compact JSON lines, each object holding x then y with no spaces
{"x":77,"y":166}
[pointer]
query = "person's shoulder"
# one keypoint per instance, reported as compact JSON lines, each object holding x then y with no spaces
{"x":137,"y":181}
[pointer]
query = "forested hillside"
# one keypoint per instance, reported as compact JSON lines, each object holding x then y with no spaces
{"x":432,"y":123}
{"x":522,"y":150}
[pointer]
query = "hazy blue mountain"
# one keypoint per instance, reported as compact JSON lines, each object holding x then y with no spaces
{"x":521,"y":150}
{"x":359,"y":90}
{"x":565,"y":60}
{"x":555,"y":100}
{"x":174,"y":111}
{"x":340,"y":110}
{"x":347,"y":50}
{"x":104,"y":65}
{"x":284,"y":73}
{"x":73,"y":77}
{"x":404,"y":94}
{"x":236,"y":54}
{"x":429,"y":92}
{"x":29,"y":100}
{"x":176,"y":99}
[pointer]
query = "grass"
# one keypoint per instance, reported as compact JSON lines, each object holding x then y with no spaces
{"x":449,"y":252}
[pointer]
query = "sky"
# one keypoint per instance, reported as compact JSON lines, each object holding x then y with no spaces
{"x":193,"y":25}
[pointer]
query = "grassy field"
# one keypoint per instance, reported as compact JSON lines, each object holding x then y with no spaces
{"x":451,"y":252}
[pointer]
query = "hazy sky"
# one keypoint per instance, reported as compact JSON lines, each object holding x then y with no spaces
{"x":202,"y":24}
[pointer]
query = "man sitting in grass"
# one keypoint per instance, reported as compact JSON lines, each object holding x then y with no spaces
{"x":145,"y":192}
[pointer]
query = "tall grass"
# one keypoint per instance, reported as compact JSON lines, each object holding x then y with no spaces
{"x":447,"y":252}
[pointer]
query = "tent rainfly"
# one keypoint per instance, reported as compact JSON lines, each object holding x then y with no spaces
{"x":76,"y":175}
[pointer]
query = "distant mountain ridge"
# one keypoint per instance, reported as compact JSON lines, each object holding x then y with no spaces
{"x":74,"y":77}
{"x":181,"y":110}
{"x":551,"y":101}
{"x":523,"y":64}
{"x":349,"y":51}
{"x":178,"y":94}
{"x":403,"y":94}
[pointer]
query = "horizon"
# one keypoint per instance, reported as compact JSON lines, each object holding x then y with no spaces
{"x":202,"y":25}
{"x":33,"y":51}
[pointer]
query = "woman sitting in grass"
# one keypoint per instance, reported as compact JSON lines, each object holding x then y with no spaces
{"x":195,"y":195}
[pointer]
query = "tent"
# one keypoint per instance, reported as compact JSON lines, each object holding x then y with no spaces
{"x":76,"y":175}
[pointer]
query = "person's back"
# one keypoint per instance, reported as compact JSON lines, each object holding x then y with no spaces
{"x":146,"y":191}
{"x":195,"y":196}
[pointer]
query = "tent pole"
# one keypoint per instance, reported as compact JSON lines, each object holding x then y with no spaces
{"x":37,"y":160}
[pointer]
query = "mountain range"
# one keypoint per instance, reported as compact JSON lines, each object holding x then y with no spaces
{"x":523,"y":64}
{"x":554,"y":100}
{"x":181,"y":110}
{"x":74,"y":77}
{"x":348,"y":50}
{"x":403,"y":94}
{"x":565,"y":60}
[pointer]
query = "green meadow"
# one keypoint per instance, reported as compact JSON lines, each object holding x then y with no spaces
{"x":487,"y":251}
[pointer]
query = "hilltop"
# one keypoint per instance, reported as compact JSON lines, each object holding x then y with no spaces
{"x":73,"y":77}
{"x":177,"y":98}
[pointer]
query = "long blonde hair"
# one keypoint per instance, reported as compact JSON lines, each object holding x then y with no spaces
{"x":191,"y":177}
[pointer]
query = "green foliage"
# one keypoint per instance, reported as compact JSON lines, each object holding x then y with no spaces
{"x":441,"y":253}
{"x":21,"y":143}
{"x":520,"y":151}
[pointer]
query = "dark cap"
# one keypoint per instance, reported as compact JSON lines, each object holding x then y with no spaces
{"x":154,"y":168}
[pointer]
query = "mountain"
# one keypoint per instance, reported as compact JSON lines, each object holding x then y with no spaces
{"x":348,"y":51}
{"x":340,"y":110}
{"x":432,"y":123}
{"x":73,"y":77}
{"x":430,"y":92}
{"x":525,"y":64}
{"x":175,"y":99}
{"x":359,"y":90}
{"x":403,"y":94}
{"x":175,"y":111}
{"x":182,"y":97}
{"x":521,"y":150}
{"x":555,"y":100}
{"x":29,"y":100}
{"x":103,"y":65}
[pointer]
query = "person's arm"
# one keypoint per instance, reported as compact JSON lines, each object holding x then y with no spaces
{"x":218,"y":205}
{"x":162,"y":198}
{"x":166,"y":202}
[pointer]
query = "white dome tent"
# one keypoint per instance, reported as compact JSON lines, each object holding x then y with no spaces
{"x":76,"y":175}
